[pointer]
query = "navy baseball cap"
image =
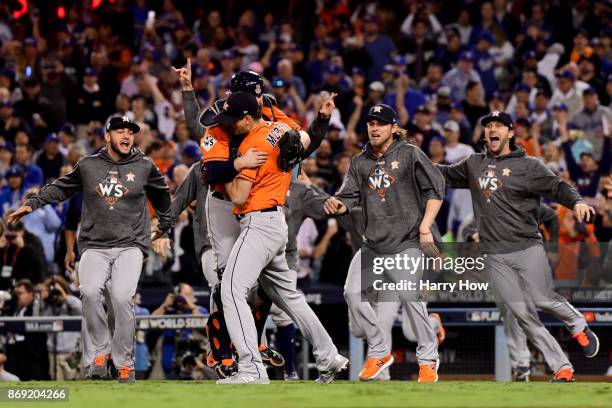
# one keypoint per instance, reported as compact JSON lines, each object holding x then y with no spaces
{"x":497,"y":116}
{"x":228,"y":54}
{"x":423,"y":109}
{"x":136,"y":60}
{"x":90,"y":71}
{"x":52,"y":137}
{"x":567,"y":74}
{"x":14,"y":171}
{"x":334,"y":70}
{"x":68,"y":128}
{"x":399,"y":60}
{"x":487,"y":36}
{"x":192,"y":151}
{"x":237,"y":106}
{"x":466,"y":56}
{"x":560,"y":106}
{"x":31,"y":41}
{"x":121,"y":122}
{"x":383,"y":113}
{"x":521,"y":87}
{"x":6,"y":145}
{"x":358,"y":71}
{"x":529,"y":54}
{"x":589,"y":91}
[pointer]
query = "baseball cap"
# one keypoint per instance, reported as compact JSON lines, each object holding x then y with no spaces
{"x":567,"y":74}
{"x":30,"y":41}
{"x":279,"y":83}
{"x":14,"y":171}
{"x":487,"y":36}
{"x":370,"y":18}
{"x":521,"y":87}
{"x":136,"y":60}
{"x":466,"y":56}
{"x":389,"y":68}
{"x":444,"y":91}
{"x":529,"y":54}
{"x":457,"y":106}
{"x":237,"y":106}
{"x":497,"y":96}
{"x":358,"y":71}
{"x":227,"y":54}
{"x":399,"y":60}
{"x":68,"y":128}
{"x":589,"y":91}
{"x":452,"y":126}
{"x":7,"y":72}
{"x":560,"y":106}
{"x":192,"y":151}
{"x":383,"y":113}
{"x":90,"y":71}
{"x":121,"y":122}
{"x":423,"y":109}
{"x":334,"y":70}
{"x":377,"y":86}
{"x":6,"y":145}
{"x":52,"y":137}
{"x":497,"y":116}
{"x":6,"y":103}
{"x":199,"y":72}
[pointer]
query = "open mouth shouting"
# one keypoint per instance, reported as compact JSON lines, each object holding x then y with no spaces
{"x":494,"y":141}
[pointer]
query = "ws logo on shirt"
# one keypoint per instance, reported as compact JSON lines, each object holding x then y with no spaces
{"x":111,"y":189}
{"x":380,"y":181}
{"x":488,"y":183}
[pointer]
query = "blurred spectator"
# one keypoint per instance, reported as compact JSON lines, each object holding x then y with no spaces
{"x":44,"y":224}
{"x":13,"y":191}
{"x":458,"y":78}
{"x":484,"y":63}
{"x":474,"y":105}
{"x":285,"y":72}
{"x":23,"y":256}
{"x":33,"y":173}
{"x":594,"y":120}
{"x":525,"y":138}
{"x":455,"y":151}
{"x":36,"y":110}
{"x":63,"y":346}
{"x":50,"y":159}
{"x":90,"y":103}
{"x":567,"y":92}
{"x":142,"y":356}
{"x":543,"y":117}
{"x":27,"y":356}
{"x":67,"y":134}
{"x":6,"y":156}
{"x":432,"y":83}
{"x":379,"y":47}
{"x":412,"y":98}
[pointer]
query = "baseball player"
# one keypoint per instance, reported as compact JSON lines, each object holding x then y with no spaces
{"x":259,"y":252}
{"x":115,"y":234}
{"x":397,"y":186}
{"x":506,"y":186}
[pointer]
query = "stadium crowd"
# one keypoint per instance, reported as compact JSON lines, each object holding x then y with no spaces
{"x":67,"y":67}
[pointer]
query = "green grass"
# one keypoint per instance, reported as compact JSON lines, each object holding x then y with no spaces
{"x":474,"y":394}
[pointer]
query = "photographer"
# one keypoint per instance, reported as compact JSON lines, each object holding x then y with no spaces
{"x":182,"y":302}
{"x":21,"y":256}
{"x":62,"y":346}
{"x":26,"y":352}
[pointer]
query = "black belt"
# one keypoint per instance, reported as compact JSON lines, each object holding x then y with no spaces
{"x":271,"y":209}
{"x":220,"y":196}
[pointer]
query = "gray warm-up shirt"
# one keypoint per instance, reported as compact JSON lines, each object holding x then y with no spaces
{"x":506,"y":192}
{"x":393,"y":191}
{"x":115,"y":193}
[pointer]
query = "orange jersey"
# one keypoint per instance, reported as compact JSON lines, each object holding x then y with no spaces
{"x":270,"y":183}
{"x":214,"y":145}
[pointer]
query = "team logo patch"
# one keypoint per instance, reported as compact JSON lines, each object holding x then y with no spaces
{"x":395,"y":165}
{"x":111,"y":189}
{"x":506,"y":172}
{"x":130,"y":176}
{"x":488,"y":183}
{"x":380,"y":181}
{"x":208,"y":143}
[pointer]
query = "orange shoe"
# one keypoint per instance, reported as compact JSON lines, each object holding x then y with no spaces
{"x":565,"y":375}
{"x":373,"y":367}
{"x":441,"y":333}
{"x":126,"y":375}
{"x":210,"y":360}
{"x":428,"y":373}
{"x":99,"y":368}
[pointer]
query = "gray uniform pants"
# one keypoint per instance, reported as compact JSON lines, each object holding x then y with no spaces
{"x":223,"y":229}
{"x":522,"y":281}
{"x":259,"y":253}
{"x":122,"y":266}
{"x":366,"y":320}
{"x":88,"y":355}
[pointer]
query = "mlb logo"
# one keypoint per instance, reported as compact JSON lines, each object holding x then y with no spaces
{"x":489,"y":173}
{"x":208,"y":143}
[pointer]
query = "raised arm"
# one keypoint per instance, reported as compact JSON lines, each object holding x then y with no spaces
{"x":456,"y":175}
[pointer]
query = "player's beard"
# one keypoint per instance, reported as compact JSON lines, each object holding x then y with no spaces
{"x":500,"y":145}
{"x":117,"y":150}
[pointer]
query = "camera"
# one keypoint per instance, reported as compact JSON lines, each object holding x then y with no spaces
{"x":185,"y":355}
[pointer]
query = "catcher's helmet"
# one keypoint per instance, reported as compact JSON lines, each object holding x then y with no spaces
{"x":247,"y":81}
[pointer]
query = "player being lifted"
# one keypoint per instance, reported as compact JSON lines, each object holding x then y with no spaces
{"x":399,"y":210}
{"x":506,"y":187}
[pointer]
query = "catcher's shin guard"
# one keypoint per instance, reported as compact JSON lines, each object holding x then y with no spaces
{"x":216,"y":329}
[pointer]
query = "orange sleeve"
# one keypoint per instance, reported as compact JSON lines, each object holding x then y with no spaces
{"x":214,"y":145}
{"x":279,"y":116}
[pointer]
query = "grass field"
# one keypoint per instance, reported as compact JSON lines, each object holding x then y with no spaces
{"x":153,"y":394}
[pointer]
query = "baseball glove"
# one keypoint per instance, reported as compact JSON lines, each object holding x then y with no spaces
{"x":291,"y":150}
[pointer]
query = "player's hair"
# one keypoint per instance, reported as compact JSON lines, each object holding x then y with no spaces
{"x":256,"y":115}
{"x":26,"y":283}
